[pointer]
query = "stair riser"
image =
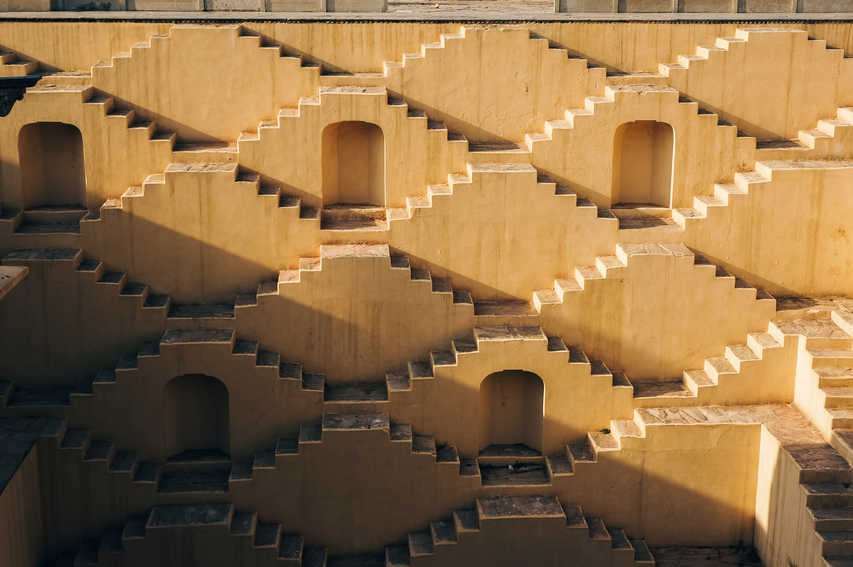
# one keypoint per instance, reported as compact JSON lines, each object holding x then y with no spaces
{"x":834,"y":525}
{"x":831,"y":362}
{"x":831,"y":476}
{"x":829,"y":382}
{"x":714,"y":374}
{"x":501,"y":320}
{"x":53,"y":217}
{"x":818,"y":343}
{"x":195,"y":466}
{"x":842,"y":423}
{"x":838,"y":548}
{"x":349,"y":407}
{"x":832,"y":402}
{"x":829,"y":501}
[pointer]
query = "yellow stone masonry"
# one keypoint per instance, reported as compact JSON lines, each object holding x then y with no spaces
{"x":425,"y":294}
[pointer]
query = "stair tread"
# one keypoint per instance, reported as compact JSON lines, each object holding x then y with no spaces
{"x":190,"y":514}
{"x":516,"y":474}
{"x":194,"y":481}
{"x":668,"y":389}
{"x":356,"y":392}
{"x":352,"y":421}
{"x":520,"y":506}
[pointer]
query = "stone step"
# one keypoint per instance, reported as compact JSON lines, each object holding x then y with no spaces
{"x":831,"y":358}
{"x":582,"y":451}
{"x":148,"y":471}
{"x":354,"y":218}
{"x":194,"y":481}
{"x":838,"y":396}
{"x":290,"y":549}
{"x":559,"y":465}
{"x":841,"y":419}
{"x":443,"y":532}
{"x":55,"y":214}
{"x":40,"y":396}
{"x":834,"y":376}
{"x":197,"y":336}
{"x":828,"y":495}
{"x":267,"y":535}
{"x":833,"y":519}
{"x":189,"y":515}
{"x":642,"y":554}
{"x":509,"y":453}
{"x":532,"y":506}
{"x":179,"y":311}
{"x":836,"y":543}
{"x":356,"y":392}
{"x":356,"y":422}
{"x":243,"y":523}
{"x":518,"y":474}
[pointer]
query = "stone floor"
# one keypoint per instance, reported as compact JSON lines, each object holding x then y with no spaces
{"x":705,"y":557}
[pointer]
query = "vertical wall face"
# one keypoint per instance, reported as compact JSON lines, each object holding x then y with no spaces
{"x":196,"y":410}
{"x":51,"y":158}
{"x":642,"y":163}
{"x":353,"y":164}
{"x":21,"y":520}
{"x":511,"y":405}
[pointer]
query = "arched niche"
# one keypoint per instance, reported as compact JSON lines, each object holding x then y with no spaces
{"x":511,"y":410}
{"x":195,"y":410}
{"x":50,"y":155}
{"x":353,"y":164}
{"x":643,"y":153}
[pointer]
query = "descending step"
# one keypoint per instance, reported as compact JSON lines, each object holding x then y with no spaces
{"x":51,"y":219}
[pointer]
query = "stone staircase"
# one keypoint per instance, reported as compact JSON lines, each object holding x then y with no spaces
{"x":831,"y":136}
{"x":178,"y":314}
{"x":443,"y":536}
{"x":196,"y":473}
{"x":249,"y":537}
{"x":823,"y":475}
{"x":563,"y":306}
{"x":108,"y":74}
{"x":343,"y":406}
{"x":744,"y":184}
{"x":95,"y":272}
{"x":456,"y":181}
{"x":312,"y":434}
{"x":269,"y":544}
{"x":611,"y":266}
{"x":689,"y":68}
{"x":825,"y":370}
{"x":724,"y":377}
{"x":58,"y":399}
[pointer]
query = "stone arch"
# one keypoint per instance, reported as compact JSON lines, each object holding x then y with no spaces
{"x":196,"y":414}
{"x":512,"y":409}
{"x":52,"y":165}
{"x":643,"y":157}
{"x":353,"y":164}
